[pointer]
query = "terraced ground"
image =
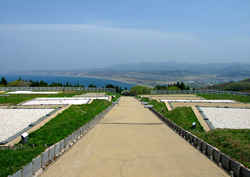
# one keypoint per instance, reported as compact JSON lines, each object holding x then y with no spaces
{"x":131,"y":141}
{"x":132,"y":159}
{"x":233,"y":142}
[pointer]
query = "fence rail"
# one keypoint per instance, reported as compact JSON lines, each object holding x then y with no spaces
{"x":58,"y":149}
{"x":198,"y":92}
{"x":232,"y":167}
{"x":56,"y":89}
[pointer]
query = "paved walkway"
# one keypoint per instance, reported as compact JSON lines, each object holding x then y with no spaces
{"x":131,"y":141}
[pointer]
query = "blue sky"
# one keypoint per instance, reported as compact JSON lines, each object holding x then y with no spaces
{"x":78,"y":34}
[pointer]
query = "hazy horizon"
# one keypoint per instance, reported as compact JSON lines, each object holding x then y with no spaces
{"x":63,"y":35}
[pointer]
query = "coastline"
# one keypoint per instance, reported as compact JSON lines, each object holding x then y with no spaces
{"x":117,"y":79}
{"x":94,"y":77}
{"x":86,"y":79}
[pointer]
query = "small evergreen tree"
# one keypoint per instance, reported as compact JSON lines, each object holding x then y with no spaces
{"x":3,"y":81}
{"x":182,"y":86}
{"x":91,"y":85}
{"x":109,"y":86}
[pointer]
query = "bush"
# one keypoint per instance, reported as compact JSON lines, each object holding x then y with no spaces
{"x":136,"y":90}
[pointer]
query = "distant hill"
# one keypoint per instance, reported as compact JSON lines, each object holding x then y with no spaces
{"x":159,"y":68}
{"x":233,"y":86}
{"x":235,"y":74}
{"x":246,"y":80}
{"x":218,"y":68}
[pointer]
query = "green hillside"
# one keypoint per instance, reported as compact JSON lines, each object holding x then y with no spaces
{"x":233,"y":86}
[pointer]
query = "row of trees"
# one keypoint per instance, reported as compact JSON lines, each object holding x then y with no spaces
{"x":42,"y":83}
{"x":117,"y":88}
{"x":179,"y":85}
{"x":53,"y":84}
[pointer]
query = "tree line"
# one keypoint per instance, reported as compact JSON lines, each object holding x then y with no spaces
{"x":179,"y":85}
{"x":42,"y":83}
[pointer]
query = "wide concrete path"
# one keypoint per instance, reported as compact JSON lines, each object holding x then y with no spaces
{"x":131,"y":141}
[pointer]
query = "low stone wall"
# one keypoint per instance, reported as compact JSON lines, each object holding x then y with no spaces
{"x":225,"y":162}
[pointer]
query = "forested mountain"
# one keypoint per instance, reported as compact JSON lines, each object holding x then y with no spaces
{"x":161,"y":68}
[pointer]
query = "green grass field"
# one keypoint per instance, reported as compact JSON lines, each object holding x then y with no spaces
{"x":239,"y":98}
{"x":13,"y":99}
{"x":235,"y":143}
{"x":145,"y":99}
{"x":232,"y":142}
{"x":115,"y":95}
{"x":52,"y":132}
{"x":182,"y":116}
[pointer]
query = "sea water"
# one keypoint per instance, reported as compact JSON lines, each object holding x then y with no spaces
{"x":85,"y":81}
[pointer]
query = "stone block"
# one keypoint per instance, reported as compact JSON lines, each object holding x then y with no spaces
{"x":225,"y":162}
{"x":216,"y":156}
{"x":235,"y":167}
{"x":244,"y":172}
{"x":27,"y":170}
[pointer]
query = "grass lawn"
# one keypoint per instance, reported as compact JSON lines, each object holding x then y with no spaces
{"x":145,"y":99}
{"x":232,"y":142}
{"x":117,"y":95}
{"x":182,"y":116}
{"x":52,"y":132}
{"x":243,"y":99}
{"x":158,"y":105}
{"x":13,"y":99}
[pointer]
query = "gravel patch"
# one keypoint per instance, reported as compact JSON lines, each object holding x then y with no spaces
{"x":233,"y":118}
{"x":222,"y":105}
{"x":14,"y":120}
{"x":201,"y":101}
{"x":58,"y":101}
